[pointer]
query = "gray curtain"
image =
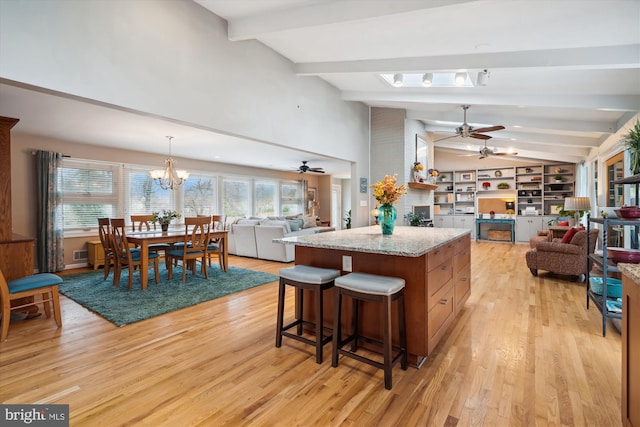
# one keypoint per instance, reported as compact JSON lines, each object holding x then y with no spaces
{"x":50,"y":238}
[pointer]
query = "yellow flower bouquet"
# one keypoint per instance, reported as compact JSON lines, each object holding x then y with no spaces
{"x":386,"y":191}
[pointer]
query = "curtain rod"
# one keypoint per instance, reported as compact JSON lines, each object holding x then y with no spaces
{"x":34,"y":152}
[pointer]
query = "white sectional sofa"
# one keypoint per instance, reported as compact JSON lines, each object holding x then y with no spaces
{"x":253,"y":237}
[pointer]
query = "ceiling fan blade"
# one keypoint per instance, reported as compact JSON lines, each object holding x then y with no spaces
{"x":446,"y":137}
{"x":316,"y":170}
{"x":489,"y":129}
{"x":480,"y":136}
{"x":505,"y":154}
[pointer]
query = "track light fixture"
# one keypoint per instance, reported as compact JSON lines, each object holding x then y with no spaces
{"x":460,"y":78}
{"x":427,"y":79}
{"x":483,"y":78}
{"x":397,"y":80}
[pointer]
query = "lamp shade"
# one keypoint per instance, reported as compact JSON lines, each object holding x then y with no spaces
{"x":577,"y":204}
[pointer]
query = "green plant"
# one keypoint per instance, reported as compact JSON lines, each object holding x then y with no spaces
{"x":632,"y":143}
{"x":347,"y":220}
{"x":414,"y":219}
{"x":558,"y":177}
{"x":503,"y":186}
{"x":165,"y":217}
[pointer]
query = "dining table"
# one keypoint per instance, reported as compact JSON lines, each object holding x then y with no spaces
{"x":145,"y":238}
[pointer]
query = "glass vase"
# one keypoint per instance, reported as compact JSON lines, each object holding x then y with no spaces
{"x":387,"y":217}
{"x":164,"y":227}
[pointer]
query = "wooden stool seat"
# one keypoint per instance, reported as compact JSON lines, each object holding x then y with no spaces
{"x":303,"y":278}
{"x":372,"y":288}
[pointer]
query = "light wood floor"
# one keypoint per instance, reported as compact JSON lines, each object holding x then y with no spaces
{"x":525,"y":351}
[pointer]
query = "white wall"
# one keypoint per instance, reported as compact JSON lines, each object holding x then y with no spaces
{"x":173,"y":59}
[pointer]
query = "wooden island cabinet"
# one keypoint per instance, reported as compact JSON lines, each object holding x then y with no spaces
{"x":434,"y":262}
{"x":630,"y":344}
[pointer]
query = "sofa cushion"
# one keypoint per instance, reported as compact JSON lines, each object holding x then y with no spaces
{"x":245,"y":221}
{"x":295,"y":224}
{"x":272,"y":222}
{"x":309,"y":221}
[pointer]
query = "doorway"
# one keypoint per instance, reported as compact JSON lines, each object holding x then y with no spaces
{"x":336,"y":206}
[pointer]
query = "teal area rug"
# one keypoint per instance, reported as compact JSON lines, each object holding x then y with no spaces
{"x":120,"y":306}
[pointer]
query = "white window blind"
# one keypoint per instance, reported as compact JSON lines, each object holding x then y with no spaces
{"x":89,"y":190}
{"x":200,"y":195}
{"x":143,"y":195}
{"x":266,"y":198}
{"x":291,"y":200}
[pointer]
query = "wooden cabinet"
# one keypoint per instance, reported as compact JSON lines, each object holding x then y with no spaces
{"x":527,"y":227}
{"x":465,"y":221}
{"x":443,"y":221}
{"x":95,"y":253}
{"x":630,"y":352}
{"x":461,"y":273}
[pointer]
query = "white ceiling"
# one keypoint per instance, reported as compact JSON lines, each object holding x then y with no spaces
{"x":564,"y":75}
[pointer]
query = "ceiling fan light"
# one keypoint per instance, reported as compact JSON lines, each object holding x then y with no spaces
{"x":427,"y":79}
{"x":460,"y":78}
{"x":397,"y":80}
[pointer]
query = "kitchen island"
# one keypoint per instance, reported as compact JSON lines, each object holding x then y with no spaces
{"x":434,"y":262}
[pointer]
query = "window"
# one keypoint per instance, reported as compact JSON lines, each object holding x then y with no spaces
{"x":143,"y":195}
{"x":89,"y":191}
{"x":291,"y":200}
{"x":199,"y":196}
{"x":266,"y":198}
{"x":92,"y":189}
{"x":236,"y":197}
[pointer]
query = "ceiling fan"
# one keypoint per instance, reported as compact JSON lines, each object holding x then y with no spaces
{"x":305,"y":168}
{"x":486,"y":152}
{"x":466,"y":131}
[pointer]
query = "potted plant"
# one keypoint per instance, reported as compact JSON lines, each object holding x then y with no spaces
{"x":557,"y":178}
{"x":347,"y":220}
{"x":486,"y":185}
{"x":415,"y":219}
{"x":632,"y":143}
{"x":164,"y":218}
{"x":503,"y":186}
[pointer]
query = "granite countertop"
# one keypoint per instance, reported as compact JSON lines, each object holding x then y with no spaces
{"x":630,"y":270}
{"x":405,"y":241}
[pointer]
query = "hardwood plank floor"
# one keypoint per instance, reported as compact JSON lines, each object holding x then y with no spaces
{"x":524,"y":351}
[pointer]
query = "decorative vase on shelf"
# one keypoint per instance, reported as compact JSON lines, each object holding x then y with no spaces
{"x":416,"y":176}
{"x":387,"y":217}
{"x":164,"y":226}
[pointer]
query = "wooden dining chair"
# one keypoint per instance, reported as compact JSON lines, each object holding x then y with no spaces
{"x":215,"y":244}
{"x":145,"y":223}
{"x":195,"y":247}
{"x":26,"y":288}
{"x":104,"y":231}
{"x":126,"y":257}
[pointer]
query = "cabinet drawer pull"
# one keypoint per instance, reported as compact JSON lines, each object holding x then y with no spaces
{"x":444,"y":267}
{"x":443,"y":301}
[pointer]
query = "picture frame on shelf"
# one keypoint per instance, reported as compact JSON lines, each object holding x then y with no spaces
{"x":466,"y":176}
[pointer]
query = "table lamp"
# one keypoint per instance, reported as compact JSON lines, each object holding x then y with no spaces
{"x":375,"y":214}
{"x":577,"y":204}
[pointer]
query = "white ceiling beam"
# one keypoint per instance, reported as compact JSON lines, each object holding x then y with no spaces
{"x":598,"y":57}
{"x":523,"y":152}
{"x":604,"y":102}
{"x":523,"y":121}
{"x":532,"y":146}
{"x":322,"y":14}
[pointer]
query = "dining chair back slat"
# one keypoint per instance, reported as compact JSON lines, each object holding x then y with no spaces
{"x":125,"y":256}
{"x":104,"y":231}
{"x":195,"y":246}
{"x":142,"y":223}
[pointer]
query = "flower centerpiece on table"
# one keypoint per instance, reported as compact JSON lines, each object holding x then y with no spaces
{"x":164,"y":218}
{"x":416,"y":169}
{"x":387,"y":193}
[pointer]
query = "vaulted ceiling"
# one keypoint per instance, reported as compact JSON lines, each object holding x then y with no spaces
{"x":563,"y":75}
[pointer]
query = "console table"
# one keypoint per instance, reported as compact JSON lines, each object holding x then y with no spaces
{"x":496,"y":224}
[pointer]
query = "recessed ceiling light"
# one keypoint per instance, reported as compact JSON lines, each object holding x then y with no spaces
{"x":427,"y":79}
{"x":397,"y":80}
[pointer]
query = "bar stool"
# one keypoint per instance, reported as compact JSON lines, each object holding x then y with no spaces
{"x":373,"y":288}
{"x":308,"y":278}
